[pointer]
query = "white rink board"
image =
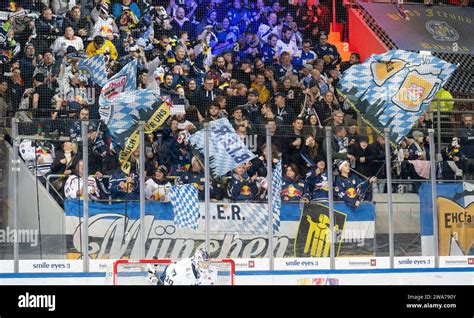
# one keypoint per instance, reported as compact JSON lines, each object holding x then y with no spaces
{"x":378,"y":277}
{"x":349,"y":277}
{"x":288,"y":271}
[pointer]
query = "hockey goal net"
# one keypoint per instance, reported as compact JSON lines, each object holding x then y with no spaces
{"x":130,"y":272}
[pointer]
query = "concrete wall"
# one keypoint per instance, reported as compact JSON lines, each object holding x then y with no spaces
{"x":51,"y":214}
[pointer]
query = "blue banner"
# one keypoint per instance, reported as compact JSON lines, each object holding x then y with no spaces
{"x":237,"y":229}
{"x":164,"y":211}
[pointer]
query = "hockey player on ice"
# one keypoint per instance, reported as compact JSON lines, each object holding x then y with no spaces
{"x":196,"y":270}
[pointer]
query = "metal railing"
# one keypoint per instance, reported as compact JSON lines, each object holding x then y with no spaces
{"x":389,"y":181}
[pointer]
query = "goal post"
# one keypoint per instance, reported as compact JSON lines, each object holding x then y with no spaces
{"x":135,"y":272}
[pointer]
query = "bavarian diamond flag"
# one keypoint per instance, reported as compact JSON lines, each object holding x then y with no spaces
{"x":393,"y":89}
{"x":123,"y":115}
{"x":226,"y":150}
{"x":124,"y":81}
{"x":276,"y":196}
{"x":96,"y":68}
{"x":185,"y":202}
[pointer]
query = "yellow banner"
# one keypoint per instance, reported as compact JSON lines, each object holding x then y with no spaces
{"x":456,"y":227}
{"x":156,"y":120}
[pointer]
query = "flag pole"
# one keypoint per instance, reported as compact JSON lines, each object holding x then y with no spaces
{"x":141,"y":144}
{"x":329,"y":135}
{"x":85,"y":177}
{"x":207,"y":190}
{"x":270,"y":196}
{"x":434,"y":197}
{"x":388,"y":166}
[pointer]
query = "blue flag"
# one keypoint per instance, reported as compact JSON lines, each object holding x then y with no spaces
{"x":185,"y":203}
{"x":393,"y":89}
{"x":96,"y":67}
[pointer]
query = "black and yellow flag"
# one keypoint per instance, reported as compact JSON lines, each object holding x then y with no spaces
{"x":313,"y":237}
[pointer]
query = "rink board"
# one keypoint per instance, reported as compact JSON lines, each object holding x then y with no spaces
{"x":288,"y":271}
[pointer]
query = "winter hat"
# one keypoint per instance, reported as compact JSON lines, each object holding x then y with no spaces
{"x":417,"y":134}
{"x":104,"y":8}
{"x":163,"y":169}
{"x":341,"y":163}
{"x":39,"y":77}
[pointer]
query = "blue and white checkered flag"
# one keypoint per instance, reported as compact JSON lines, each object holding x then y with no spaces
{"x":185,"y":203}
{"x":124,"y":81}
{"x":393,"y":89}
{"x":227,"y":151}
{"x":276,"y":197}
{"x":126,"y":110}
{"x":96,"y":67}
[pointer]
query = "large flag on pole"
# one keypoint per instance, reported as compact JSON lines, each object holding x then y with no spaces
{"x":123,"y":115}
{"x":393,"y":89}
{"x":96,"y":68}
{"x":227,"y":151}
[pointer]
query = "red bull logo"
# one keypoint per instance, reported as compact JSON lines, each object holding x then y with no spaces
{"x":351,"y":193}
{"x":113,"y":88}
{"x":291,"y":192}
{"x":245,"y":190}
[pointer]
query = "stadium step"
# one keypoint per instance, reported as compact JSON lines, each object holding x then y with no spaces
{"x":342,"y":47}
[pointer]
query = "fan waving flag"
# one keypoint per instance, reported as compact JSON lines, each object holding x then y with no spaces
{"x":393,"y":89}
{"x":227,"y":151}
{"x":185,"y":203}
{"x":124,"y":114}
{"x":96,"y":68}
{"x":276,"y":197}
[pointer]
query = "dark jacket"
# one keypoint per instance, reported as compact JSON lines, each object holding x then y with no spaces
{"x":466,"y":135}
{"x":351,"y":190}
{"x":245,"y":190}
{"x":358,"y":152}
{"x":58,"y":168}
{"x":76,"y":25}
{"x":203,"y":99}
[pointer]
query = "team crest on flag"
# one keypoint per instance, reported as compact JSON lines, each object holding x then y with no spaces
{"x":185,"y":203}
{"x":393,"y":89}
{"x":313,"y":237}
{"x":96,"y":68}
{"x":381,"y":71}
{"x":125,"y":80}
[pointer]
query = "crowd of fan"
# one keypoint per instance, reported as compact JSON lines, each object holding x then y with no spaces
{"x":253,"y":62}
